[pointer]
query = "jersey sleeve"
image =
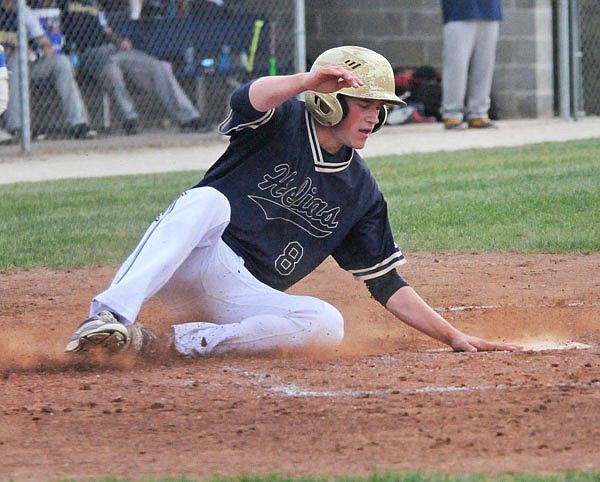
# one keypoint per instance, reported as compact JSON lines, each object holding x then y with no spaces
{"x":369,"y":250}
{"x":244,"y":120}
{"x":243,"y":116}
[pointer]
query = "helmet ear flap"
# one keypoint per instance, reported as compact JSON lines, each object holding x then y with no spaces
{"x":325,"y":108}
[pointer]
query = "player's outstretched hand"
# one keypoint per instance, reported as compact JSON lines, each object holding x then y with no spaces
{"x":472,"y":343}
{"x":331,"y":78}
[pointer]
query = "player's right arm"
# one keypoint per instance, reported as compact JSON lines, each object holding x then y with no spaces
{"x":271,"y":91}
{"x":410,"y":308}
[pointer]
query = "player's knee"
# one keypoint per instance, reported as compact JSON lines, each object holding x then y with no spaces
{"x":209,"y":196}
{"x":111,"y":72}
{"x":62,"y":62}
{"x":331,"y":324}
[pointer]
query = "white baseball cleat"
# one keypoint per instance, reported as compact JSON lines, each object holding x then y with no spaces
{"x":103,"y":329}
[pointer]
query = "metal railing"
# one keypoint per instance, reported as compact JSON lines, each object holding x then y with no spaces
{"x":588,"y":55}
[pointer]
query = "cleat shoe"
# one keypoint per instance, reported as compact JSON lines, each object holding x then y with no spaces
{"x":452,"y":123}
{"x":480,"y":123}
{"x":102,"y":329}
{"x":141,"y":340}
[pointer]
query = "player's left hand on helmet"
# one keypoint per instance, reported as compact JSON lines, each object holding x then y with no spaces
{"x":331,"y":78}
{"x":472,"y":344}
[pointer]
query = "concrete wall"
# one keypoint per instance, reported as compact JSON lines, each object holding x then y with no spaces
{"x":408,"y":33}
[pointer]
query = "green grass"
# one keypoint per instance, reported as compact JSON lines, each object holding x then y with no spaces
{"x":541,"y":198}
{"x":83,"y":222}
{"x":395,"y":477}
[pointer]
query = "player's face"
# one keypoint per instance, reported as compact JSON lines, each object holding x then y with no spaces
{"x":359,"y":122}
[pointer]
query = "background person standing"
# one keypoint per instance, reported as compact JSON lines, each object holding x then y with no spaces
{"x":469,"y":56}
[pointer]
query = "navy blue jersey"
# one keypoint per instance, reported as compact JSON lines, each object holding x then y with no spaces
{"x":292,"y":203}
{"x":83,"y":22}
{"x":9,"y":27}
{"x":458,"y":10}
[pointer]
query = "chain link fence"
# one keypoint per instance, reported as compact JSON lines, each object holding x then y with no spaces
{"x":198,"y":52}
{"x":589,"y":33}
{"x":123,"y":66}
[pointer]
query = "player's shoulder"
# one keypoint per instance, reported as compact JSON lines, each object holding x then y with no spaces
{"x":243,"y":117}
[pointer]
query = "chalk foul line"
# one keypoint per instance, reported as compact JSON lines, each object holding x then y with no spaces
{"x":270,"y":383}
{"x":292,"y":390}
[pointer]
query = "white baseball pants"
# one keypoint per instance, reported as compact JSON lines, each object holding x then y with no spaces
{"x":219,"y":305}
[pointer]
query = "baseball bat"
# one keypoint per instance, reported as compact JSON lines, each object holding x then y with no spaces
{"x":258,"y":25}
{"x":272,"y":49}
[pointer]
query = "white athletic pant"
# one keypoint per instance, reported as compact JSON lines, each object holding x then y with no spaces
{"x":205,"y":285}
{"x":469,"y":53}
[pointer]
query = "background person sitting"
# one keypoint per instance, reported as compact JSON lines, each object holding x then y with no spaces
{"x":48,"y":66}
{"x":111,"y":59}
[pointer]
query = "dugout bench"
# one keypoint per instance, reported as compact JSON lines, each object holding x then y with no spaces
{"x":208,"y":56}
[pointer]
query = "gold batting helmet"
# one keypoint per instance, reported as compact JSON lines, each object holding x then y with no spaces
{"x":371,"y":68}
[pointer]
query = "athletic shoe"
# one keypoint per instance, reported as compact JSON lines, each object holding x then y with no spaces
{"x":131,"y":127}
{"x":5,"y":137}
{"x":14,"y":137}
{"x":82,"y":131}
{"x":101,"y":329}
{"x":141,"y":340}
{"x":480,"y":123}
{"x":452,"y":123}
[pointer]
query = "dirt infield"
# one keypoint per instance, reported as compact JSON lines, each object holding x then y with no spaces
{"x":387,"y":399}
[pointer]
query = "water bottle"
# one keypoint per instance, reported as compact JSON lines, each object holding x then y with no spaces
{"x":224,"y":58}
{"x":208,"y":65}
{"x":189,"y":58}
{"x":74,"y":54}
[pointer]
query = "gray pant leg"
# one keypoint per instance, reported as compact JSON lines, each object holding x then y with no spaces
{"x":150,"y":74}
{"x":13,"y":109}
{"x":482,"y":69}
{"x":458,"y":44}
{"x":103,"y":63}
{"x":59,"y":69}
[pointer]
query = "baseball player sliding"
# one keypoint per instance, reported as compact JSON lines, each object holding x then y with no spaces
{"x":289,"y":191}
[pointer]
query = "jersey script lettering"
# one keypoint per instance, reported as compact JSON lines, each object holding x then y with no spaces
{"x":296,"y":201}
